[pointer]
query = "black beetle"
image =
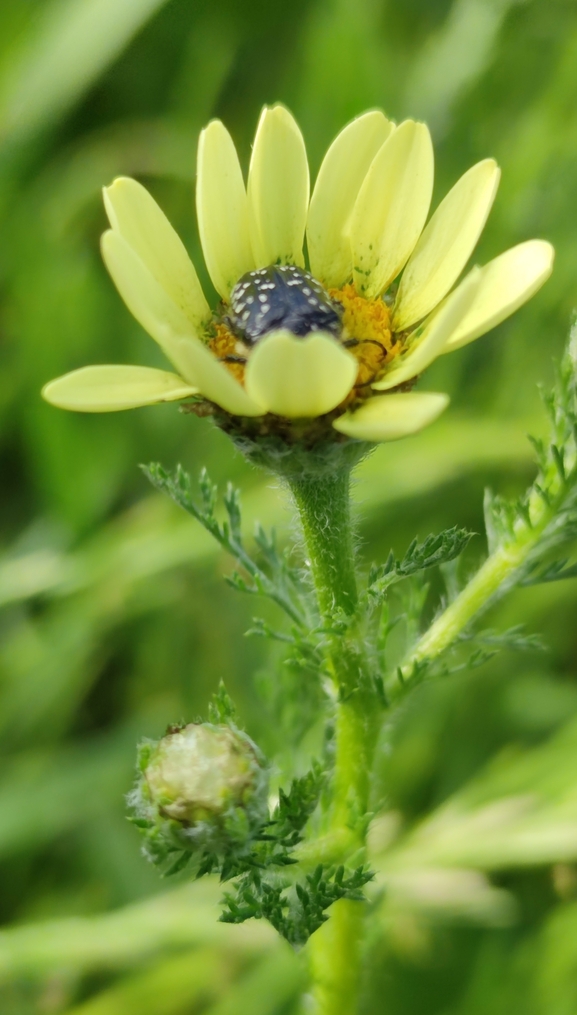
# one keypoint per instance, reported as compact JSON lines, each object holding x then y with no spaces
{"x":281,"y":296}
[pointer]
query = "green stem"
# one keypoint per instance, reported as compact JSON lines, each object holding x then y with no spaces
{"x":335,"y":960}
{"x":324,"y":507}
{"x":336,"y":846}
{"x":323,"y":502}
{"x":472,"y":600}
{"x":491,"y":580}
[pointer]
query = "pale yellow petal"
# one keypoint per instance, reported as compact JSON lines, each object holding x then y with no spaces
{"x":136,"y":216}
{"x":300,"y":377}
{"x":390,"y":417}
{"x":168,"y":325}
{"x":446,"y":244}
{"x":222,"y":211}
{"x":110,"y":388}
{"x":278,"y":190}
{"x":392,"y":207}
{"x":159,"y":314}
{"x":342,"y":172}
{"x":430,"y":340}
{"x":505,"y":284}
{"x":146,"y":299}
{"x":214,"y":380}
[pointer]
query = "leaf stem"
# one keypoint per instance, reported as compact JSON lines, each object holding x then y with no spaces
{"x":475,"y":597}
{"x":493,"y":579}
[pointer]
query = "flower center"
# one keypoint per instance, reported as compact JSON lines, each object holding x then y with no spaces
{"x":284,"y":296}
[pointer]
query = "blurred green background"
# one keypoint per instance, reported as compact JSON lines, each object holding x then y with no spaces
{"x":114,"y":618}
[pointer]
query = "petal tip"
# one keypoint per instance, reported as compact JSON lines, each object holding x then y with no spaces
{"x":549,"y":251}
{"x":45,"y":392}
{"x":121,"y":183}
{"x":212,"y":128}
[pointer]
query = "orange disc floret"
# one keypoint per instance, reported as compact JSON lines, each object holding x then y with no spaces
{"x":368,"y":322}
{"x":224,"y":344}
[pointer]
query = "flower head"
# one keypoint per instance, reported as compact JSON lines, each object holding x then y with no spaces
{"x":338,"y":343}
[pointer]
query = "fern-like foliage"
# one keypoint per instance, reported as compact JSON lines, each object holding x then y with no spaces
{"x":298,"y":912}
{"x":432,"y":552}
{"x":273,"y":577}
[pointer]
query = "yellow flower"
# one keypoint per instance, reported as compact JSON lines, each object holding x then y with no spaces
{"x":342,"y":340}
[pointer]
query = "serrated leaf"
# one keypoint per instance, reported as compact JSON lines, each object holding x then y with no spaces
{"x":432,"y":552}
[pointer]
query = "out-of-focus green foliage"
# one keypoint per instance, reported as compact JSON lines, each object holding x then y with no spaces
{"x":113,"y":616}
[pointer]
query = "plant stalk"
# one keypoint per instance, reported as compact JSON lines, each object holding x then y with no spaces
{"x":323,"y":503}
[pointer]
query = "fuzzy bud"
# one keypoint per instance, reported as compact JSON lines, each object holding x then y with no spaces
{"x":202,"y":788}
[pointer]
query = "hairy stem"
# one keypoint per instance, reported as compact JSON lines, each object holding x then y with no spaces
{"x":324,"y":508}
{"x":323,"y":503}
{"x":325,"y":513}
{"x":474,"y":598}
{"x":491,"y":581}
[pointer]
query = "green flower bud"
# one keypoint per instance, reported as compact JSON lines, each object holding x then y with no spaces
{"x":202,"y":789}
{"x":198,"y":772}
